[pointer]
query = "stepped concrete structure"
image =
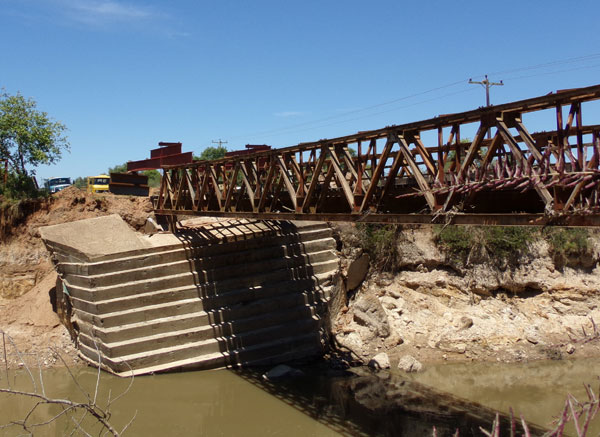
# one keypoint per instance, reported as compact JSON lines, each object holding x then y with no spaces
{"x":217,"y":294}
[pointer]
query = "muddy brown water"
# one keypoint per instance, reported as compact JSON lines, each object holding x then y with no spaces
{"x":537,"y":390}
{"x":321,"y":403}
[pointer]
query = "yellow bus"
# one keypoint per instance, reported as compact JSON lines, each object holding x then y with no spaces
{"x":98,"y":184}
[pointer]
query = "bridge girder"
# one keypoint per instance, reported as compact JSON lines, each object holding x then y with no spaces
{"x":389,"y":175}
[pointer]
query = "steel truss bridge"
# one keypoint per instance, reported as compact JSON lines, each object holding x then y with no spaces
{"x":504,"y":175}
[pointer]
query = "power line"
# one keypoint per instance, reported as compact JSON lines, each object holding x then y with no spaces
{"x":343,"y":114}
{"x":294,"y":128}
{"x":546,"y":73}
{"x":372,"y":115}
{"x":550,"y":64}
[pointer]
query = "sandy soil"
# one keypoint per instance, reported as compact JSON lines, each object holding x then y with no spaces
{"x":33,"y":335}
{"x":27,"y":275}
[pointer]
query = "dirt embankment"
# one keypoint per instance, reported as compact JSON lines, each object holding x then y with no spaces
{"x":27,"y":275}
{"x":428,"y":307}
{"x":432,"y":308}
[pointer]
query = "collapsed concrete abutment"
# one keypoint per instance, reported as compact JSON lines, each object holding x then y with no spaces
{"x":217,"y":294}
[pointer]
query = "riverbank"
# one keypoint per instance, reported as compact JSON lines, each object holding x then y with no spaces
{"x":27,"y":276}
{"x":434,"y":308}
{"x":33,"y":328}
{"x":421,"y":299}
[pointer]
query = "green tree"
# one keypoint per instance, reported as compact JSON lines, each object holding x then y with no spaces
{"x":153,"y":178}
{"x":121,"y":168}
{"x":80,"y":182}
{"x":211,"y":153}
{"x":28,"y":136}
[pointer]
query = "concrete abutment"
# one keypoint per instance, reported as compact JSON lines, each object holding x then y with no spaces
{"x":217,"y":294}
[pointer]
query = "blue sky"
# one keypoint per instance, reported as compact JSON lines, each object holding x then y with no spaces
{"x":124,"y":75}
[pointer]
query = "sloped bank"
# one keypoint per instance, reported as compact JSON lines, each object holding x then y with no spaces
{"x":503,"y":294}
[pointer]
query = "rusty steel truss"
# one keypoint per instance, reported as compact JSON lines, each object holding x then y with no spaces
{"x":514,"y":177}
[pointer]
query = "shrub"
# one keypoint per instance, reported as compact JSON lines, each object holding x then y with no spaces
{"x":380,"y":241}
{"x":567,"y":243}
{"x":20,"y":186}
{"x":507,"y":242}
{"x":456,"y":241}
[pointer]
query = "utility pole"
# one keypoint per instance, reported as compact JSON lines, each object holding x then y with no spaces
{"x":219,"y":142}
{"x":487,"y":85}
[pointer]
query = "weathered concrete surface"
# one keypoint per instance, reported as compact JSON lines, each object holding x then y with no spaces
{"x":94,"y":238}
{"x":216,"y":294}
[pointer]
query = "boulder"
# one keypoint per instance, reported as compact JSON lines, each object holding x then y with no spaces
{"x":357,"y":271}
{"x":380,"y":361}
{"x":409,"y":364}
{"x":282,"y":371}
{"x":368,"y":312}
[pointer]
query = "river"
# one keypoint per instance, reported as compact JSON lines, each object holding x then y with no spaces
{"x":320,"y":403}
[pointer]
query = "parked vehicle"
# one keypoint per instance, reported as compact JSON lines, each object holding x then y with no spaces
{"x":98,"y":184}
{"x":54,"y":185}
{"x":131,"y":184}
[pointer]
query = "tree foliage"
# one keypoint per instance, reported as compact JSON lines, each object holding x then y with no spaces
{"x":211,"y":153}
{"x":28,"y":136}
{"x":121,"y":168}
{"x":153,"y":178}
{"x":80,"y":182}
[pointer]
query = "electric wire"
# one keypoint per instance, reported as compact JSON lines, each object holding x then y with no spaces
{"x":318,"y":123}
{"x":343,"y":114}
{"x":372,"y":115}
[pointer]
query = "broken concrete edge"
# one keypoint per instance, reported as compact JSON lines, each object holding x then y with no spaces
{"x":72,"y":240}
{"x":94,"y":237}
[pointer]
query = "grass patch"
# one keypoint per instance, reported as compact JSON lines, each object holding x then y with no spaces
{"x":499,"y":243}
{"x":380,"y":242}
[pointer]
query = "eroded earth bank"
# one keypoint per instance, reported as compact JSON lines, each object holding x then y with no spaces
{"x":27,"y":276}
{"x":478,"y":294}
{"x":417,"y":294}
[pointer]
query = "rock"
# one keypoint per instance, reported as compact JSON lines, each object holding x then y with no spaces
{"x":380,"y":361}
{"x":368,"y":312}
{"x":465,"y":322}
{"x":389,"y":303}
{"x":394,"y":293}
{"x":393,"y":340}
{"x":461,"y":348}
{"x":409,"y":364}
{"x":282,"y":371}
{"x":570,"y":349}
{"x":357,"y":271}
{"x":352,"y":341}
{"x":532,"y":339}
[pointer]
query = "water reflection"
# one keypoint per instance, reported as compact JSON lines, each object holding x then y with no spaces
{"x":537,"y":390}
{"x":320,"y":403}
{"x":380,"y":404}
{"x":209,"y":403}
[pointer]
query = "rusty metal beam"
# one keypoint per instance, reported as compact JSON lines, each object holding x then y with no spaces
{"x":553,"y":173}
{"x":591,"y":220}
